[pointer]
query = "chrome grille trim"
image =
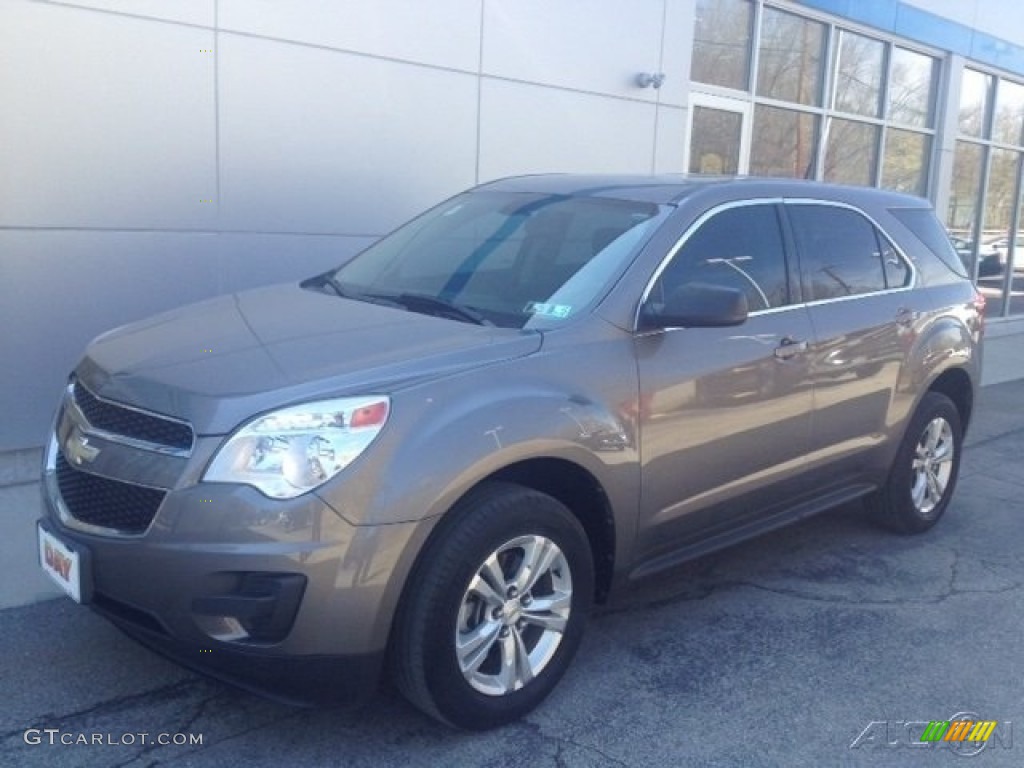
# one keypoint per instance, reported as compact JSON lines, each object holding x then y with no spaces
{"x":72,"y":398}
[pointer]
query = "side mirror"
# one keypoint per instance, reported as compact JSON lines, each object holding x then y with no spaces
{"x":696,"y":305}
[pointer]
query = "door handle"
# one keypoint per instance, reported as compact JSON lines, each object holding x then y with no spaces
{"x":790,"y":347}
{"x":904,"y":316}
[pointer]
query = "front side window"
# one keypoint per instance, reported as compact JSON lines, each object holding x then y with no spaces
{"x":738,"y":248}
{"x":505,"y":258}
{"x":842,"y":254}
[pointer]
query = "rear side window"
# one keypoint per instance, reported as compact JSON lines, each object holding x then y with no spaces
{"x":740,"y":248}
{"x":843,"y":254}
{"x":927,"y":229}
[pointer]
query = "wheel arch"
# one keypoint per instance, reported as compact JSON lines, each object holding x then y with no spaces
{"x":568,"y":482}
{"x":956,"y":384}
{"x":585,"y":498}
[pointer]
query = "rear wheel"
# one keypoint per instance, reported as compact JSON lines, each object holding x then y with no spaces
{"x":495,"y":609}
{"x":924,"y":473}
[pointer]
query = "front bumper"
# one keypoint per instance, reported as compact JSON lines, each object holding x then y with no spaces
{"x":282,"y":597}
{"x":301,"y":680}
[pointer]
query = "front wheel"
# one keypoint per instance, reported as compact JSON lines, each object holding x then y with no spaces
{"x":925,"y":470}
{"x":495,"y":608}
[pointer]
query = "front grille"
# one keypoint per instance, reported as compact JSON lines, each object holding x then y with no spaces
{"x":131,"y":423}
{"x":106,"y":503}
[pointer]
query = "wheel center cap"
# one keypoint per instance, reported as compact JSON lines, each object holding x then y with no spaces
{"x":512,"y":611}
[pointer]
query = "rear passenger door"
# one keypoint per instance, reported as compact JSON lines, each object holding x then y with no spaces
{"x":856,"y":286}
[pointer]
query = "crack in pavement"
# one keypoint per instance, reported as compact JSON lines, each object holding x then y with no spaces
{"x":184,"y":727}
{"x":560,"y":743}
{"x":109,"y":706}
{"x":993,"y":438}
{"x":178,"y":757}
{"x":1011,"y":480}
{"x":950,"y":593}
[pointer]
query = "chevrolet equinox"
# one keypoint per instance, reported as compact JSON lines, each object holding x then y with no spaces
{"x":434,"y":459}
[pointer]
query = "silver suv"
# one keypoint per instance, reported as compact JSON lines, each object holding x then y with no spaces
{"x":435,"y":458}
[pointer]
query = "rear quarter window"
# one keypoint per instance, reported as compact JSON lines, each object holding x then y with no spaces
{"x":926,"y":227}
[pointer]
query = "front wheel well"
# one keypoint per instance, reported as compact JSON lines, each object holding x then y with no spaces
{"x":583,"y":495}
{"x":956,"y":385}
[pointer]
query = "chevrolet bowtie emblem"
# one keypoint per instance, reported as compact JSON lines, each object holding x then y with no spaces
{"x":77,"y":448}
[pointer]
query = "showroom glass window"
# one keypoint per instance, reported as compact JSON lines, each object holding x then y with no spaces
{"x":721,"y":45}
{"x":984,"y":215}
{"x":825,"y":102}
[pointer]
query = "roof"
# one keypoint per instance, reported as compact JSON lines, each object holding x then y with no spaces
{"x":671,"y":189}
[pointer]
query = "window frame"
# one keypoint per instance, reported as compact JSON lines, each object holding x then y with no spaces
{"x":881,"y":237}
{"x":792,"y":275}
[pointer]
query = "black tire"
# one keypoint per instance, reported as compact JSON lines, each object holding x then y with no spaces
{"x":439,"y":606}
{"x":899,"y":505}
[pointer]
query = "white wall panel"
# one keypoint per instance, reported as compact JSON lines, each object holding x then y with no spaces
{"x":679,"y":21}
{"x":60,"y":289}
{"x":444,"y":33}
{"x":592,"y":45}
{"x":248,"y":261}
{"x":185,"y":11}
{"x":106,"y":121}
{"x":963,"y":11}
{"x":1002,"y":18}
{"x":321,"y":141}
{"x":532,"y":129}
{"x":671,"y":145}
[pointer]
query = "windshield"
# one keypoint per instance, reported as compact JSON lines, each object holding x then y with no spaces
{"x":509,"y":259}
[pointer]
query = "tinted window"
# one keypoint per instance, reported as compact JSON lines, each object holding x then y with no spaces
{"x":927,"y":229}
{"x":516,"y":259}
{"x":839,"y":252}
{"x":740,"y":248}
{"x":897,"y":271}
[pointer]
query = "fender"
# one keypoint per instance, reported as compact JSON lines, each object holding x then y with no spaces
{"x":939,"y":344}
{"x":460,"y":438}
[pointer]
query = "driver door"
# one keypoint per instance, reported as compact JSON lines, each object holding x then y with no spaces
{"x":726,"y":412}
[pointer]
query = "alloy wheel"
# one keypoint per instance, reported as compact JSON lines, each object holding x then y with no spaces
{"x":932,"y":466}
{"x":513,"y":615}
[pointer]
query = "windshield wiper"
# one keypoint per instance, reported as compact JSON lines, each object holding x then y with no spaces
{"x":329,"y":280}
{"x":416,"y":302}
{"x":343,"y":291}
{"x":420,"y":302}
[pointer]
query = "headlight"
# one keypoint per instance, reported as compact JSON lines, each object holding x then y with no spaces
{"x":294,"y":450}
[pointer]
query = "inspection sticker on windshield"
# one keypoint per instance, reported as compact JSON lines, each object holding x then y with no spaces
{"x":548,"y":310}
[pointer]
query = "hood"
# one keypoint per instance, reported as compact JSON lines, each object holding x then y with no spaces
{"x":220,"y":362}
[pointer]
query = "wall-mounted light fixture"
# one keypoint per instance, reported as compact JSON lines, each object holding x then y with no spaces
{"x":648,"y":80}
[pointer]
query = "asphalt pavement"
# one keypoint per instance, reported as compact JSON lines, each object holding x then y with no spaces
{"x":808,"y":647}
